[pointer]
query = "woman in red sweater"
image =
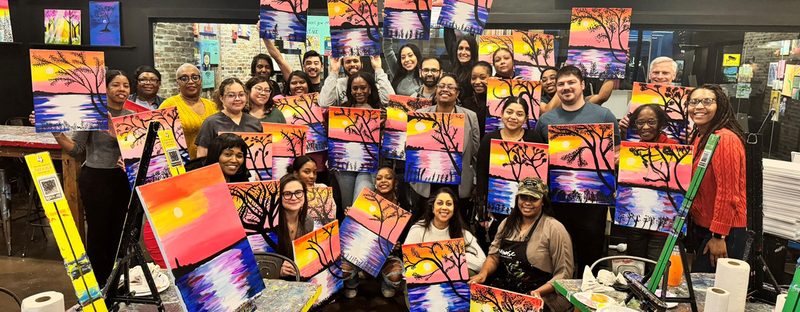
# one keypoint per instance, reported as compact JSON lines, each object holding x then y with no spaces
{"x":719,"y":211}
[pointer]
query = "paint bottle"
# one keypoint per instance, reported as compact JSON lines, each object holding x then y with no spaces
{"x":675,"y":268}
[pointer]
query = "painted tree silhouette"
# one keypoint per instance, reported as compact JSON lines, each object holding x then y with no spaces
{"x":257,"y":157}
{"x":295,"y":141}
{"x":547,"y":48}
{"x":672,"y":100}
{"x":498,"y":42}
{"x":298,"y":8}
{"x":102,"y":14}
{"x":662,"y":162}
{"x":609,"y":24}
{"x":521,"y":157}
{"x":362,"y":13}
{"x":425,"y":28}
{"x":445,"y":133}
{"x":325,"y":255}
{"x":321,"y":205}
{"x":259,"y":207}
{"x":136,"y":125}
{"x":389,"y":216}
{"x":306,"y":110}
{"x":73,"y":18}
{"x":73,"y":69}
{"x":476,"y":11}
{"x":598,"y":139}
{"x":455,"y":258}
{"x":365,"y":125}
{"x":524,"y":90}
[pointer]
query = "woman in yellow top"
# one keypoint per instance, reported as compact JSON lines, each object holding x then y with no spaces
{"x":192,"y":109}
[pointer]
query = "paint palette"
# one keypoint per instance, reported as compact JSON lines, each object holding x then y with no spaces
{"x":594,"y":300}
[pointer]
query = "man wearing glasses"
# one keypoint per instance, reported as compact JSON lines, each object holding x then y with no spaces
{"x":192,"y":109}
{"x":429,"y":73}
{"x":148,"y":82}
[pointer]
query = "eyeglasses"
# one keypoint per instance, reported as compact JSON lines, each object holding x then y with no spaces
{"x":447,"y":87}
{"x":233,"y":96}
{"x":185,"y":79}
{"x":706,"y":102}
{"x":430,"y":71}
{"x":298,"y":194}
{"x":649,"y":122}
{"x":261,"y":90}
{"x":153,"y":81}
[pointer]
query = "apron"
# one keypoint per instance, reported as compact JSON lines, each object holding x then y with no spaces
{"x":515,"y":273}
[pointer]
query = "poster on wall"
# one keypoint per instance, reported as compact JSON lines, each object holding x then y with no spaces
{"x":775,"y":103}
{"x":209,"y":30}
{"x":104,"y":25}
{"x":354,"y":27}
{"x":731,"y":59}
{"x":5,"y":22}
{"x":598,"y":41}
{"x":62,"y":27}
{"x":208,"y":79}
{"x":211,"y":48}
{"x":407,"y":19}
{"x":318,"y":34}
{"x":283,"y":20}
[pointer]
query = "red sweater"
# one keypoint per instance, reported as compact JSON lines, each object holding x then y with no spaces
{"x":720,"y":203}
{"x":663,"y":138}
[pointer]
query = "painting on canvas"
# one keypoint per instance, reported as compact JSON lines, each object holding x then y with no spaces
{"x":582,"y":163}
{"x":407,"y":19}
{"x":258,"y":158}
{"x":488,"y":44}
{"x":653,"y":179}
{"x":509,"y":163}
{"x":434,"y":147}
{"x":533,"y":52}
{"x":257,"y":204}
{"x":672,"y":100}
{"x":354,"y":139}
{"x":487,"y":298}
{"x":6,"y":35}
{"x":305,"y":110}
{"x":288,"y":142}
{"x":436,"y":273}
{"x":394,"y":134}
{"x":104,"y":24}
{"x":69,"y":90}
{"x":465,"y":15}
{"x":497,"y":94}
{"x":62,"y":27}
{"x":436,"y":10}
{"x":354,"y":27}
{"x":598,"y":41}
{"x":317,"y":256}
{"x":201,"y":237}
{"x":321,"y":207}
{"x":284,"y":20}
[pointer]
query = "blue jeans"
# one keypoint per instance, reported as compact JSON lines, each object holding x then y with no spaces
{"x":351,"y":184}
{"x":735,"y":241}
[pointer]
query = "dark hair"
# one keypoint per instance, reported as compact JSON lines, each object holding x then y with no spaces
{"x":517,"y":100}
{"x":401,"y":71}
{"x":221,"y":143}
{"x":373,"y":99}
{"x":451,"y":75}
{"x":260,"y":56}
{"x":299,"y":162}
{"x":723,"y":118}
{"x":428,"y":58}
{"x":113,"y":73}
{"x":459,"y":68}
{"x":227,"y":82}
{"x":284,"y":242}
{"x":509,"y":52}
{"x":297,"y":73}
{"x":311,"y":54}
{"x":515,"y":218}
{"x":456,"y":226}
{"x":569,"y":70}
{"x":661,"y":115}
{"x":141,"y":70}
{"x":252,"y":82}
{"x":484,"y":64}
{"x":394,"y":177}
{"x":550,"y":68}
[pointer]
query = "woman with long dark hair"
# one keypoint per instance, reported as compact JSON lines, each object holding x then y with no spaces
{"x":479,"y":81}
{"x":463,"y":55}
{"x":292,"y":221}
{"x":406,"y":79}
{"x":719,"y":211}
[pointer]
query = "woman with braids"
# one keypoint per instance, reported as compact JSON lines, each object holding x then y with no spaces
{"x":719,"y":210}
{"x":531,"y":250}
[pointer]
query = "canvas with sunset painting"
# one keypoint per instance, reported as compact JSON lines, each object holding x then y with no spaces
{"x":69,"y":90}
{"x":509,"y":163}
{"x":288,"y":142}
{"x":321,"y":206}
{"x":132,"y":133}
{"x":436,"y":10}
{"x":354,"y":139}
{"x":533,"y":52}
{"x":354,"y":27}
{"x":394,"y":132}
{"x":434,"y":147}
{"x":488,"y":44}
{"x":407,"y":19}
{"x":305,"y":110}
{"x":257,"y":204}
{"x":201,"y":237}
{"x":283,"y":20}
{"x":465,"y":15}
{"x":497,"y":93}
{"x":487,"y":298}
{"x":582,"y":163}
{"x":317,"y":255}
{"x":258,"y":159}
{"x":598,"y":41}
{"x":672,"y":100}
{"x":370,"y":230}
{"x":653,"y":179}
{"x":436,"y":273}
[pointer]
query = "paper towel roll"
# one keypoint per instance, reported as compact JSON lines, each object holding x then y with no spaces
{"x":717,"y":299}
{"x":733,"y":275}
{"x":779,"y":302}
{"x":48,"y":301}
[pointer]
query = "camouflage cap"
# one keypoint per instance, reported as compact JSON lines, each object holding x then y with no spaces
{"x":532,"y":187}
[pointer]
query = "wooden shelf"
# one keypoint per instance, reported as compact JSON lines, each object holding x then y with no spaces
{"x":77,"y":47}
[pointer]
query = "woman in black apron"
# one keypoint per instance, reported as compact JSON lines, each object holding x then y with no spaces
{"x":531,"y":249}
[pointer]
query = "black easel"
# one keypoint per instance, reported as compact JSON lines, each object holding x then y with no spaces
{"x":691,"y":299}
{"x":129,"y":249}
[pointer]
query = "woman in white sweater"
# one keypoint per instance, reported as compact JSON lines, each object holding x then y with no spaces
{"x":442,"y":221}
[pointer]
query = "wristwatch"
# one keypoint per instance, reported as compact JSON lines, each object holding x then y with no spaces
{"x":716,"y":235}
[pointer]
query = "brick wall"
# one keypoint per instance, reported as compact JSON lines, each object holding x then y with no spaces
{"x":173,"y":45}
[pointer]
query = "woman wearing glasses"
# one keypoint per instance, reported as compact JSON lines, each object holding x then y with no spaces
{"x":719,"y":210}
{"x":148,"y":82}
{"x":231,"y":118}
{"x":192,"y":109}
{"x":292,"y":221}
{"x":261,"y":104}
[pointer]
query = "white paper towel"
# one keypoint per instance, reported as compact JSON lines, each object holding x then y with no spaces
{"x":779,"y":302}
{"x":717,"y":299}
{"x":48,"y":301}
{"x":733,"y":275}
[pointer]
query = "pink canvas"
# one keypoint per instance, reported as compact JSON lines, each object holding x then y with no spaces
{"x":379,"y":215}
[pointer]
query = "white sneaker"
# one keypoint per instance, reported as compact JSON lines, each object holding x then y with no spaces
{"x":350,"y":293}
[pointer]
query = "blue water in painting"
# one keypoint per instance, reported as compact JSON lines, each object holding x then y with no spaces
{"x":402,"y":24}
{"x":579,"y":186}
{"x":394,"y":145}
{"x":439,"y":297}
{"x":258,"y":244}
{"x":355,"y":42}
{"x":676,"y":131}
{"x":281,"y":25}
{"x":362,"y":247}
{"x":495,"y":123}
{"x":461,"y":16}
{"x":646,"y":208}
{"x":69,"y":112}
{"x":104,"y":23}
{"x":432,"y":167}
{"x":316,"y":138}
{"x":501,"y":195}
{"x":224,"y":282}
{"x":329,"y":283}
{"x":353,"y":156}
{"x":605,"y":65}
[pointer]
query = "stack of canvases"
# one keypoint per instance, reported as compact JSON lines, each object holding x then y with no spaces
{"x":781,"y":186}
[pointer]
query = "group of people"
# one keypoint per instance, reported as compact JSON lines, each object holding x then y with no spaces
{"x":525,"y":251}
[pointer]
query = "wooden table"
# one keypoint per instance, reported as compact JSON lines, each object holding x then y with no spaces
{"x":700,"y":281}
{"x":18,"y":141}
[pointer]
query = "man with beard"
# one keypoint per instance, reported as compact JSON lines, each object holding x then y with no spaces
{"x":312,"y":64}
{"x":430,"y":72}
{"x":334,"y":90}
